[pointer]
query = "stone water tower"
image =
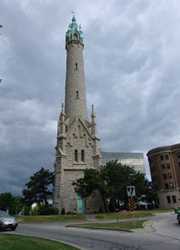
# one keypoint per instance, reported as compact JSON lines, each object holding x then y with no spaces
{"x":77,"y":145}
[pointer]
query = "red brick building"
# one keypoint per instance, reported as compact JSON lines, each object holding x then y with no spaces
{"x":165,"y":172}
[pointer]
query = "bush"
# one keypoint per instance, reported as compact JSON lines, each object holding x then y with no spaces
{"x":47,"y":210}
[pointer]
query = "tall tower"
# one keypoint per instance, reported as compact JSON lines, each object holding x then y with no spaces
{"x":77,"y":145}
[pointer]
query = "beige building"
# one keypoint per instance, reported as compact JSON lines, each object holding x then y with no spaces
{"x":134,"y":160}
{"x":77,"y":144}
{"x":165,"y":172}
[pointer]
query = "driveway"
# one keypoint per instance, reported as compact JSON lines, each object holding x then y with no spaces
{"x":164,"y":234}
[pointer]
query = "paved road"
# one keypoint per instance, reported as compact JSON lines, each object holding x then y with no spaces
{"x":163,"y":235}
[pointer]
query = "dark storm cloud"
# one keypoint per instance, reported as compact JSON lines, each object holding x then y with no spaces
{"x":132,"y":59}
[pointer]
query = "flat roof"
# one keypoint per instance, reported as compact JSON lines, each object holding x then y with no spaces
{"x":164,"y":148}
{"x":121,"y":155}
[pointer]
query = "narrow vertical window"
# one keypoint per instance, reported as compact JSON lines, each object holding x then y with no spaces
{"x":77,"y":94}
{"x":82,"y":155}
{"x":75,"y":155}
{"x":168,"y":199}
{"x":76,"y":66}
{"x":167,"y":157}
{"x":174,"y":198}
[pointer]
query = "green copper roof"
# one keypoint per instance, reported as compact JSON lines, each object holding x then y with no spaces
{"x":74,"y":32}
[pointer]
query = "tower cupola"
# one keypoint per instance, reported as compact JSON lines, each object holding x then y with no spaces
{"x":74,"y":32}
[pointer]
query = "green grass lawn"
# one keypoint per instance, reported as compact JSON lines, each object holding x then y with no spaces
{"x":119,"y":226}
{"x":50,"y":218}
{"x":13,"y":242}
{"x":81,"y":217}
{"x":123,"y":215}
{"x":128,"y":214}
{"x":162,"y":210}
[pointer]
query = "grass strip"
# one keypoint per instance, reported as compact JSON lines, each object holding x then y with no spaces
{"x":50,"y":218}
{"x":133,"y":214}
{"x":123,"y":215}
{"x":17,"y":242}
{"x":119,"y":226}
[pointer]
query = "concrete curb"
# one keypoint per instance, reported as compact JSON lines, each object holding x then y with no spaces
{"x":107,"y":229}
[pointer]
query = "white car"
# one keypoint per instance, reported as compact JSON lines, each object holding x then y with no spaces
{"x":7,"y":221}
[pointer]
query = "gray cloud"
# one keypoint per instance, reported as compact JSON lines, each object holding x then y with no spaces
{"x":132,"y":59}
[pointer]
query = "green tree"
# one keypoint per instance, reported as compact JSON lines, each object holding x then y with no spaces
{"x":92,"y":182}
{"x":13,"y":204}
{"x":111,"y":181}
{"x":6,"y":201}
{"x":39,"y":187}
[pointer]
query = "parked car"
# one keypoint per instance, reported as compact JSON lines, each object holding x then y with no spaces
{"x":145,"y":205}
{"x":7,"y":221}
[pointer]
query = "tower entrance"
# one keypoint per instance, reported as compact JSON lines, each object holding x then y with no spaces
{"x":80,"y":204}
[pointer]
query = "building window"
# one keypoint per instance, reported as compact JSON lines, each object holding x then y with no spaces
{"x":66,"y":128}
{"x":167,"y":157}
{"x":166,"y":186}
{"x":75,"y":155}
{"x":162,"y":166}
{"x":164,"y":176}
{"x":168,"y":199}
{"x":162,"y":158}
{"x":76,"y":66}
{"x":170,"y":175}
{"x":82,"y":155}
{"x":174,"y":198}
{"x":168,"y":165}
{"x":77,"y":94}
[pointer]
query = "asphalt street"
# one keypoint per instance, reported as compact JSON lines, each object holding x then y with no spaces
{"x":162,"y":234}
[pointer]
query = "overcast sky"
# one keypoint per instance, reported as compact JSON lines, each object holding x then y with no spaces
{"x":132,"y":64}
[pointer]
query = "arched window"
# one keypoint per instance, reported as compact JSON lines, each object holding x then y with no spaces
{"x":82,"y":155}
{"x":75,"y":155}
{"x":75,"y":36}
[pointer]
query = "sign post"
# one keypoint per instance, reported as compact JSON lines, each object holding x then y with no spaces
{"x":131,"y":193}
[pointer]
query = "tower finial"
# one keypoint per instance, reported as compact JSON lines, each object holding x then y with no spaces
{"x":92,"y":108}
{"x":62,"y":107}
{"x":92,"y":113}
{"x":73,"y":16}
{"x":93,"y":121}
